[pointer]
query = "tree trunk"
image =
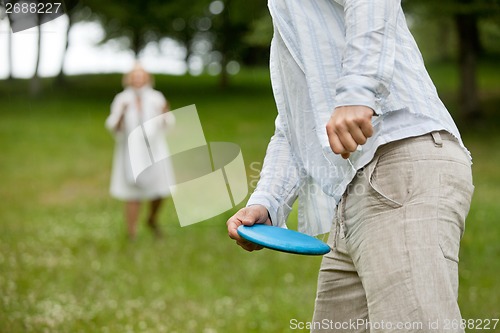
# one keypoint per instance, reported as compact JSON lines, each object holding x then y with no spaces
{"x":469,"y":50}
{"x":224,"y":41}
{"x":10,"y":74}
{"x":9,"y":54}
{"x":35,"y":79}
{"x":224,"y":75}
{"x":60,"y":79}
{"x":136,"y":43}
{"x":443,"y":40}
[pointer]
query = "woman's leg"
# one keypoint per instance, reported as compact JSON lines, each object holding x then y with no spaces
{"x":153,"y":213}
{"x":131,"y":216}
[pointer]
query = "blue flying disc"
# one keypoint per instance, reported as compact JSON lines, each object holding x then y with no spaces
{"x":284,"y":240}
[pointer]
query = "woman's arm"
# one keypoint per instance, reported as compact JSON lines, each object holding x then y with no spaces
{"x":114,"y":122}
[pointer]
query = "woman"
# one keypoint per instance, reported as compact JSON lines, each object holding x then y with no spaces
{"x":131,"y":108}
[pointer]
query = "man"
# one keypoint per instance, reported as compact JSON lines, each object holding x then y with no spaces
{"x":389,"y":170}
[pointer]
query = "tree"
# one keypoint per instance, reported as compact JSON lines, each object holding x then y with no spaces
{"x":3,"y":16}
{"x":73,"y":9}
{"x":466,"y":15}
{"x":139,"y":21}
{"x":469,"y":49}
{"x":9,"y":55}
{"x":35,"y":85}
{"x":223,"y":25}
{"x":231,"y":27}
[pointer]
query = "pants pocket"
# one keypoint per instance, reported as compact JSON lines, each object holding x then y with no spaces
{"x":391,"y":179}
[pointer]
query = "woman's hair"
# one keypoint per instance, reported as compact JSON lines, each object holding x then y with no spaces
{"x":127,"y":77}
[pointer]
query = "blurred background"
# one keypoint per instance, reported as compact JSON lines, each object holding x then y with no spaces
{"x":65,"y":263}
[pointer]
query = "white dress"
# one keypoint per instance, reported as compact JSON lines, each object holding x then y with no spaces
{"x":154,"y":182}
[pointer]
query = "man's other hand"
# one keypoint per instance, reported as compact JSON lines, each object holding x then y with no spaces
{"x":348,"y":127}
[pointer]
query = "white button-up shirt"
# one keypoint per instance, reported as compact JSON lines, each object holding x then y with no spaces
{"x":326,"y":54}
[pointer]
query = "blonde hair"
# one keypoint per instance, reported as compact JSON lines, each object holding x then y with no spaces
{"x":127,"y":77}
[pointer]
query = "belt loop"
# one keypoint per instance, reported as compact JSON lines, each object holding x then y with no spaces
{"x":438,"y":142}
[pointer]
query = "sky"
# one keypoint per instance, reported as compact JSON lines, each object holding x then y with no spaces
{"x":84,"y":55}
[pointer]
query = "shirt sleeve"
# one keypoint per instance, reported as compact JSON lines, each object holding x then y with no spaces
{"x":368,"y":59}
{"x":117,"y":109}
{"x":278,"y":186}
{"x":161,"y":100}
{"x":161,"y":104}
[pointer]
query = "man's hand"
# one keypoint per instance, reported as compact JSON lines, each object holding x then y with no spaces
{"x":247,"y":216}
{"x":349,"y":127}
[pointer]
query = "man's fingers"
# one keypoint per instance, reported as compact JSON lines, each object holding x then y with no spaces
{"x":357,"y":134}
{"x":345,"y":156}
{"x":348,"y":142}
{"x":337,"y":147}
{"x":336,"y":144}
{"x":232,"y":228}
{"x":349,"y":127}
{"x":252,"y":216}
{"x":354,"y":136}
{"x":246,"y":216}
{"x":367,"y":128}
{"x":249,"y":246}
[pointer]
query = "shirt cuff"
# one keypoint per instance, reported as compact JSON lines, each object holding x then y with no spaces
{"x":268,"y":201}
{"x":360,"y":90}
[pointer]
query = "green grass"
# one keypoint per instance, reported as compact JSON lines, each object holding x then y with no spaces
{"x":65,"y":265}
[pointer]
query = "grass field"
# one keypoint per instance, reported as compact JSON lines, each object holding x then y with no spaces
{"x":65,"y":265}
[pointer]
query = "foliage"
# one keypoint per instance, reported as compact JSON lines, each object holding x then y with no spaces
{"x":436,"y":18}
{"x":131,"y":19}
{"x":466,"y":17}
{"x":141,"y":22}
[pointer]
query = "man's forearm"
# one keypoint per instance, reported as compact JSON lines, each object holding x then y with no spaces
{"x":368,"y":62}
